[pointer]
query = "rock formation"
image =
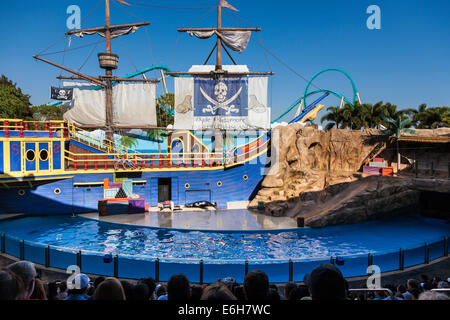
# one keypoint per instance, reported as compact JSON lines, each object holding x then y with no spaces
{"x":315,"y":175}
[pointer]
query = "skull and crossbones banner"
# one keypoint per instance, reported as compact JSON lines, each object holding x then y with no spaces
{"x":221,"y":97}
{"x":61,"y":93}
{"x":225,"y":103}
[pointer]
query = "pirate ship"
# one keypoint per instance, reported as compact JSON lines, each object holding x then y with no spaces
{"x":56,"y":167}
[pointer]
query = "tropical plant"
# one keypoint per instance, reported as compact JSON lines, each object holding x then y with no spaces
{"x":164,"y":104}
{"x":397,"y":126}
{"x":362,"y":116}
{"x":128,"y":142}
{"x":157,"y":135}
{"x":46,"y":113}
{"x":431,"y":118}
{"x":333,"y":117}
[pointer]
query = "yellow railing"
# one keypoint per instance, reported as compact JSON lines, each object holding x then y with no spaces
{"x":107,"y":161}
{"x":19,"y":124}
{"x":103,"y":143}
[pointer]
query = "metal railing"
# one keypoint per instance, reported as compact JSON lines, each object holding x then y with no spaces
{"x":21,"y":126}
{"x":199,"y":270}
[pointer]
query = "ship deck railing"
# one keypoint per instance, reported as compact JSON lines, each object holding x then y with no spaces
{"x":23,"y":127}
{"x":113,"y":156}
{"x":155,"y":161}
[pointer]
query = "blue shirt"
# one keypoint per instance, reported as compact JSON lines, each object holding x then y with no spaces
{"x":77,"y":297}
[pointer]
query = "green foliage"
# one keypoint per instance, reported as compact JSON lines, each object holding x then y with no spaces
{"x":157,"y":135}
{"x":397,"y":126}
{"x":45,"y":112}
{"x":362,"y":116}
{"x":128,"y":142}
{"x":14,"y":104}
{"x":431,"y":118}
{"x":162,"y":104}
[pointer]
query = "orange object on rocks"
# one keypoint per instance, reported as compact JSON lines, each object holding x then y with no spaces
{"x":106,"y":184}
{"x":387,"y":171}
{"x":118,"y":200}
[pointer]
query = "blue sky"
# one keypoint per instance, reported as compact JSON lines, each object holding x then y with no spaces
{"x":407,"y":62}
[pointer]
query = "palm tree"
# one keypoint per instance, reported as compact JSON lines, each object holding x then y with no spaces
{"x":395,"y":126}
{"x":128,"y":142}
{"x":350,"y":116}
{"x":431,"y":118}
{"x":371,"y":115}
{"x":334,"y":117}
{"x":158,"y":136}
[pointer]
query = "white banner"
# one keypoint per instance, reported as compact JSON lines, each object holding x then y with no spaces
{"x":228,"y":103}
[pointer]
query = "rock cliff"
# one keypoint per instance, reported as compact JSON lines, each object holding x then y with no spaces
{"x":315,"y":175}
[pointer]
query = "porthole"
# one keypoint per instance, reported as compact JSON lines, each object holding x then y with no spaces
{"x":21,"y":192}
{"x":43,"y":155}
{"x":245,"y":177}
{"x":31,"y":155}
{"x":219,"y":184}
{"x":187,"y":185}
{"x":57,"y":191}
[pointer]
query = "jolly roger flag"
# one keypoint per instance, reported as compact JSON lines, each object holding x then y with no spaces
{"x":61,"y":93}
{"x":224,"y":97}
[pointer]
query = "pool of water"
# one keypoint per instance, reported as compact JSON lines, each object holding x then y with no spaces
{"x":99,"y":236}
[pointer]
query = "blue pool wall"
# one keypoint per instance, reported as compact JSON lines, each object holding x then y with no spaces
{"x":187,"y":187}
{"x":198,"y":271}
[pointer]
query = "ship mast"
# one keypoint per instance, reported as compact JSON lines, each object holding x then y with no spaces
{"x":219,"y":44}
{"x":109,"y":133}
{"x":107,"y":60}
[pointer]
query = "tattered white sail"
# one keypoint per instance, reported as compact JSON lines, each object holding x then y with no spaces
{"x":224,"y":103}
{"x":235,"y":40}
{"x":114,"y":32}
{"x":134,"y":104}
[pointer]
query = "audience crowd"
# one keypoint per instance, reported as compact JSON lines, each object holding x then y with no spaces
{"x":20,"y":281}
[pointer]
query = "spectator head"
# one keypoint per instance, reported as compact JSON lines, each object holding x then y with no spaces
{"x":56,"y":290}
{"x":412,"y":284}
{"x":256,"y":286}
{"x":273,"y":295}
{"x":436,"y":280}
{"x":327,"y":283}
{"x":151,"y":284}
{"x":443,"y":285}
{"x":288,"y":289}
{"x":109,"y":290}
{"x":160,"y":290}
{"x":79,"y":284}
{"x":196,"y":293}
{"x":11,"y":285}
{"x":39,"y":291}
{"x":433,"y":295}
{"x":302,"y":291}
{"x":27,"y":272}
{"x":401,"y":289}
{"x":217,"y":292}
{"x":141,"y":292}
{"x":415,"y":293}
{"x":239,"y":293}
{"x":229,"y":282}
{"x":98,"y":280}
{"x":178,"y":288}
{"x":128,"y":289}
